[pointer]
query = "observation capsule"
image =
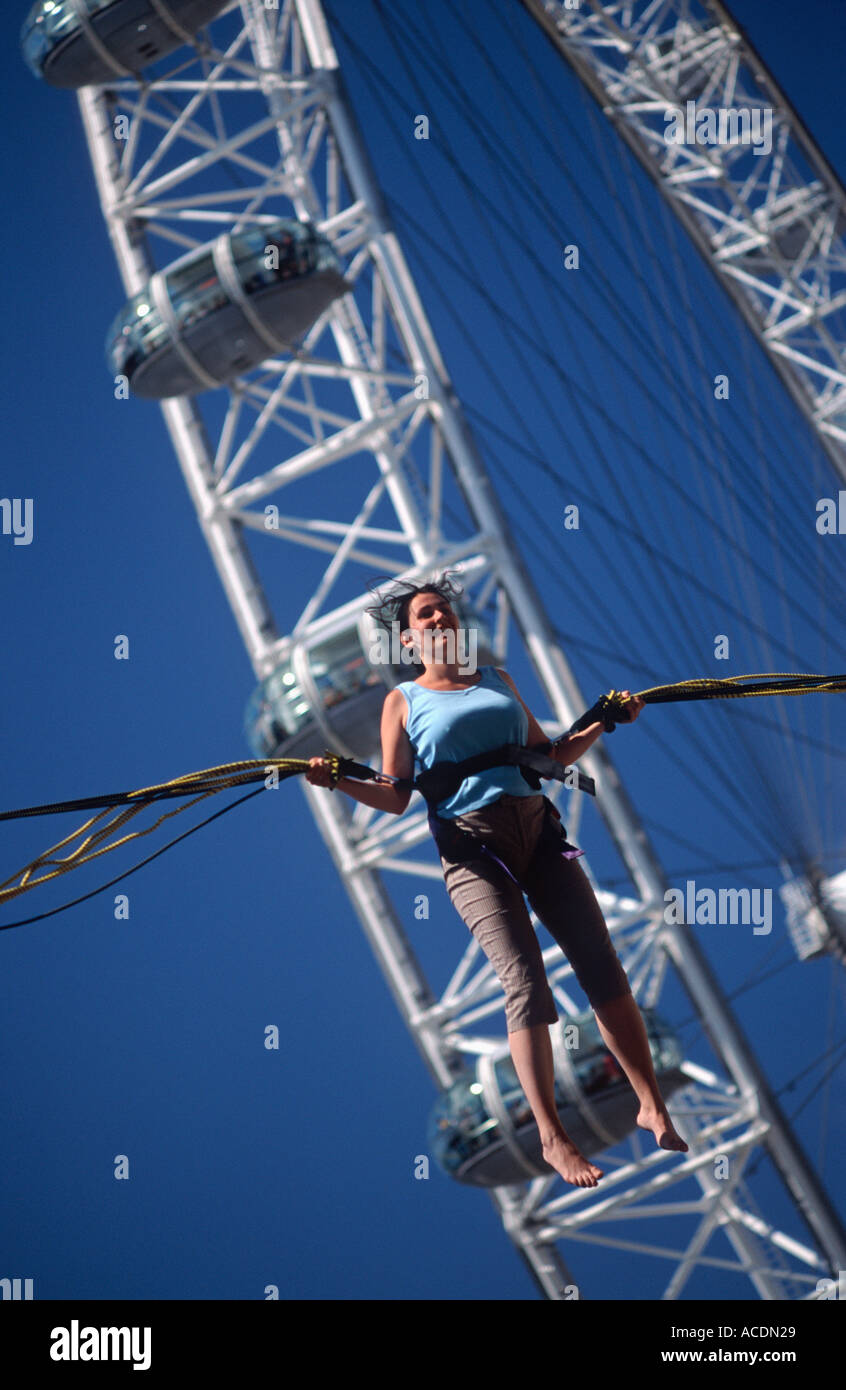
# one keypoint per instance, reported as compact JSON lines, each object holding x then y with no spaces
{"x":74,"y":45}
{"x":224,"y":308}
{"x":814,"y":932}
{"x":482,"y":1131}
{"x":330,"y":694}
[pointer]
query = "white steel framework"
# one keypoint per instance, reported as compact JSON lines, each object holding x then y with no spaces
{"x":245,"y":126}
{"x":760,"y":201}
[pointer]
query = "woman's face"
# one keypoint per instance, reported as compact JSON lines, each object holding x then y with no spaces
{"x":429,"y":610}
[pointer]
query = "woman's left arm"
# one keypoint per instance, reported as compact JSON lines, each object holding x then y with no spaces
{"x":569,"y":750}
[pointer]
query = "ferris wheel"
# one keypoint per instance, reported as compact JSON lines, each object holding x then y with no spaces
{"x":270,"y":309}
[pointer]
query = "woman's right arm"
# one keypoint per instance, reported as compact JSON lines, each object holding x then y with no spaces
{"x":397,"y":761}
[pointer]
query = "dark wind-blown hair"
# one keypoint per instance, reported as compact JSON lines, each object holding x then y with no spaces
{"x":393,"y":607}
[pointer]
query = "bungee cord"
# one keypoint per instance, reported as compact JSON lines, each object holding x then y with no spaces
{"x":610,"y":707}
{"x":117,"y":879}
{"x":207,"y":782}
{"x":609,"y":710}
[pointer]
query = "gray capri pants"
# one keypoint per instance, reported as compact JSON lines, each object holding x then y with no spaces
{"x":560,"y":893}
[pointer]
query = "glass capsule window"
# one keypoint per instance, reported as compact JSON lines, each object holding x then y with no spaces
{"x":249,"y":253}
{"x":664,"y":1045}
{"x":460,"y":1126}
{"x":296,"y":254}
{"x":513,"y":1096}
{"x":340,"y":668}
{"x":270,"y":717}
{"x":280,"y":707}
{"x":196,"y":292}
{"x":135,"y":333}
{"x":182,"y":279}
{"x":47,"y":24}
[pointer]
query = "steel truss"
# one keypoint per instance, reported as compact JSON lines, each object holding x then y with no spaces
{"x":260,"y":95}
{"x":771,"y":223}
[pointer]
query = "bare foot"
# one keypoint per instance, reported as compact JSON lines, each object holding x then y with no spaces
{"x":662,"y":1127}
{"x":564,"y":1157}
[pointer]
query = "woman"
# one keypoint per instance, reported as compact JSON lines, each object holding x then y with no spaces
{"x":438,"y":718}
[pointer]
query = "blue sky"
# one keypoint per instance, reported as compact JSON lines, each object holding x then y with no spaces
{"x":145,"y":1037}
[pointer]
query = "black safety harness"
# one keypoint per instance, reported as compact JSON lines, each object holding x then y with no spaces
{"x":443,"y":779}
{"x":459,"y":845}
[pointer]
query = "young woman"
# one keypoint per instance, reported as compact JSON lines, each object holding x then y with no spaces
{"x":447,"y":715}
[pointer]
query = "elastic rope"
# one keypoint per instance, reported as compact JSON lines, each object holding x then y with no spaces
{"x":6,"y":926}
{"x":206,"y":782}
{"x":610,"y":708}
{"x":729,"y":687}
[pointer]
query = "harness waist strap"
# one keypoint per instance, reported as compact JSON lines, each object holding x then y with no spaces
{"x":443,"y":779}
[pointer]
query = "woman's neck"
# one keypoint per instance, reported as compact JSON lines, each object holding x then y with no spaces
{"x":449,"y":675}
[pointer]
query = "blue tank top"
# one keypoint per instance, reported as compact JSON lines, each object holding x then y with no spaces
{"x":448,"y":725}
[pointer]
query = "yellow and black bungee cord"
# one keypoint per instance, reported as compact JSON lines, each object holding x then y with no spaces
{"x":205,"y":783}
{"x":609,"y":710}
